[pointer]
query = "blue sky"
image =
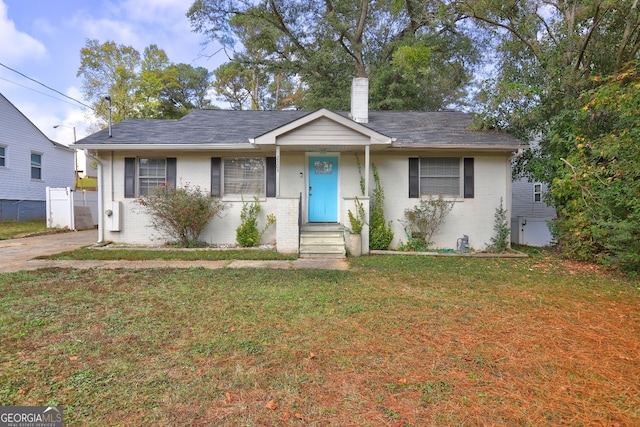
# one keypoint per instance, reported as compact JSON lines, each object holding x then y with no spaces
{"x":42,"y":39}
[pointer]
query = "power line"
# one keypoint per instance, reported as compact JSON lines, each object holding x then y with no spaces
{"x":48,"y":87}
{"x":35,"y":90}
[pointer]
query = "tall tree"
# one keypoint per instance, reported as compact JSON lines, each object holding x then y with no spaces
{"x":597,"y":185}
{"x":324,"y":43}
{"x":545,"y":53}
{"x":552,"y":58}
{"x":140,"y":87}
{"x":149,"y":82}
{"x":184,"y":88}
{"x":109,"y":69}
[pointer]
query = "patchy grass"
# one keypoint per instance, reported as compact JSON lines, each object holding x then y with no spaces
{"x":396,"y":340}
{"x":12,"y":229}
{"x":168,"y":254}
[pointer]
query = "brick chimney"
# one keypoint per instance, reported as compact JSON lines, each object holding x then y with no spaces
{"x":360,"y":100}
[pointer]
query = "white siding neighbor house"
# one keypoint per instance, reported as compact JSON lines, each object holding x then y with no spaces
{"x":29,"y":162}
{"x":305,"y":168}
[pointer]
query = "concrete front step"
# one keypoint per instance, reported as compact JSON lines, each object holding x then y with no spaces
{"x":322,"y":241}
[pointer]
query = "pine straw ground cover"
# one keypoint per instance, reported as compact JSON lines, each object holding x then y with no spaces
{"x":395,"y":341}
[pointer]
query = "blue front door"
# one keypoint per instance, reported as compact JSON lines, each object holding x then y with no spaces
{"x":323,"y":189}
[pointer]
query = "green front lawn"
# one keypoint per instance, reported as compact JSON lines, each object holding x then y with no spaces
{"x":11,"y":229}
{"x":395,"y":340}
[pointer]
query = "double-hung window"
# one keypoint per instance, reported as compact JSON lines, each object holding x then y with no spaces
{"x":3,"y":156}
{"x":448,"y":176}
{"x":440,"y":175}
{"x":537,"y":192}
{"x":243,"y":176}
{"x":36,"y":166}
{"x":143,"y":175}
{"x":152,"y":173}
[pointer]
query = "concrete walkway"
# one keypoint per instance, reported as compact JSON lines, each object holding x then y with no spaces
{"x":19,"y":254}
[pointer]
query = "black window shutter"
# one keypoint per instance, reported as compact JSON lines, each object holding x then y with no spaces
{"x":414,"y":177}
{"x":216,"y":171}
{"x":171,"y":172}
{"x":468,"y":178}
{"x":129,"y":177}
{"x":271,"y":177}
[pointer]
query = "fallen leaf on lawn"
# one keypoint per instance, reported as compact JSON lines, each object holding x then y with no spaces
{"x":312,"y":355}
{"x":272,"y":405}
{"x":73,"y":358}
{"x":402,"y":381}
{"x":21,"y":391}
{"x":285,"y":416}
{"x":298,"y":415}
{"x":232,"y":329}
{"x":228,"y":396}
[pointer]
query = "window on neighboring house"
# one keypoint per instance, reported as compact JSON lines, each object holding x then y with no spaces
{"x":537,"y":192}
{"x":3,"y":156}
{"x":449,"y":176}
{"x":36,"y":166}
{"x":232,"y":176}
{"x":143,"y":175}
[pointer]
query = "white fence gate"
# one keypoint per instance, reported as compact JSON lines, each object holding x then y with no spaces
{"x":75,"y":210}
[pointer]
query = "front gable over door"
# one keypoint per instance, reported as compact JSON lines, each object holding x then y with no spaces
{"x":322,"y":128}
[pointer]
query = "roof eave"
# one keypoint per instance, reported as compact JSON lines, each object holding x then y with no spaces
{"x":487,"y":147}
{"x":164,"y":147}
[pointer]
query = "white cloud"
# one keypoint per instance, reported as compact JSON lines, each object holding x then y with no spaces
{"x":17,"y":46}
{"x":108,"y":29}
{"x":168,"y":12}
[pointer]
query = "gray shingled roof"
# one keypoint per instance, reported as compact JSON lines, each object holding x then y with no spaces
{"x":231,"y":127}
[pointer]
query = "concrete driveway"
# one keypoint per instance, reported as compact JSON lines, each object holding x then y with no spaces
{"x":15,"y":253}
{"x":19,"y":254}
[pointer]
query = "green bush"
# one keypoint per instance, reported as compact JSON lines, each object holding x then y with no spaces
{"x":380,"y":232}
{"x":500,"y":241}
{"x":357,"y":220}
{"x":248,"y":234}
{"x":424,"y":220}
{"x":181,"y":213}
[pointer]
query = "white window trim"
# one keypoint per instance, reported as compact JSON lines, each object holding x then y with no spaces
{"x":139,"y":175}
{"x":41,"y":167}
{"x":5,"y":156}
{"x":537,"y":184}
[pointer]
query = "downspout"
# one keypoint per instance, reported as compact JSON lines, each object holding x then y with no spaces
{"x":100,"y":201}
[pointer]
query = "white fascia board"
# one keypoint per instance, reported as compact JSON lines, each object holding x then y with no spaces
{"x":164,"y":147}
{"x":474,"y":147}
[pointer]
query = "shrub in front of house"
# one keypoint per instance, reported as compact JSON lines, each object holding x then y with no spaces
{"x":182,"y":213}
{"x":248,"y":233}
{"x":380,"y":231}
{"x":425,"y":219}
{"x":500,"y":241}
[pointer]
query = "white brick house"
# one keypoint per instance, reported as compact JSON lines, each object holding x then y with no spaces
{"x":306,"y":168}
